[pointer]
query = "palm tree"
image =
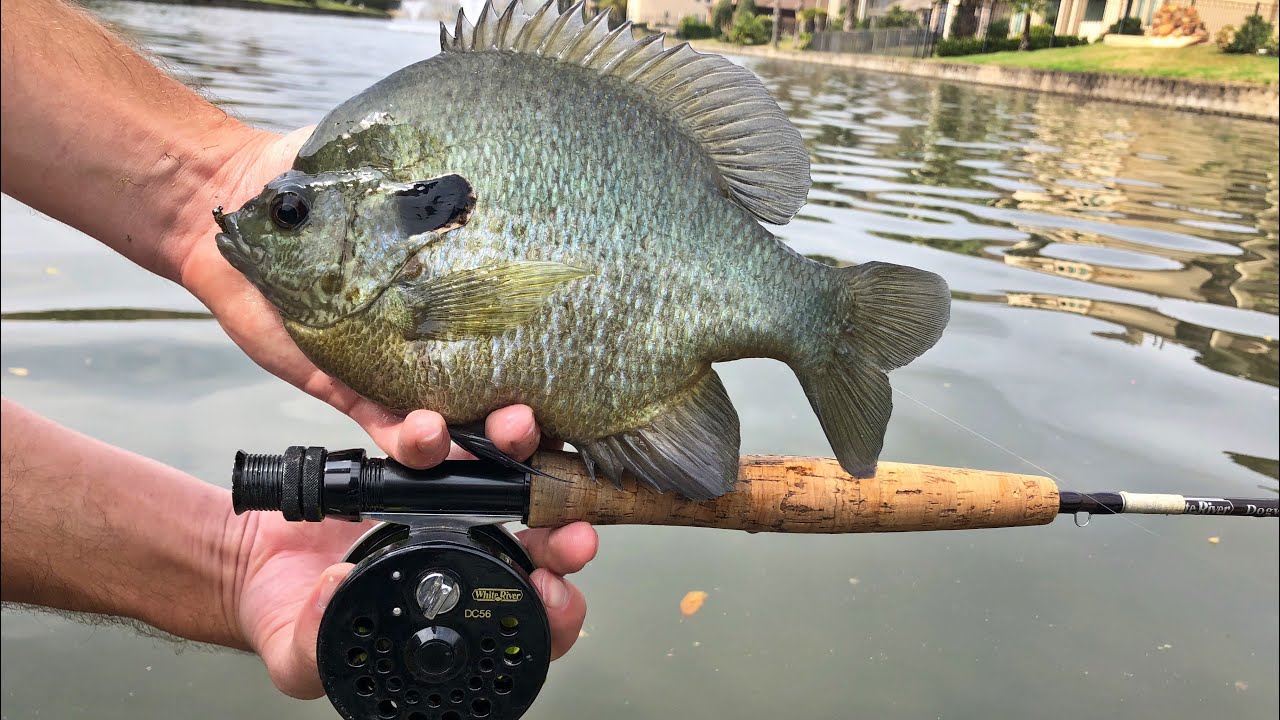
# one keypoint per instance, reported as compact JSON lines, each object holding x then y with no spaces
{"x":1027,"y":7}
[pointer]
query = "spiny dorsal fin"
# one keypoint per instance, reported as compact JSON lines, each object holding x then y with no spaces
{"x":758,"y":152}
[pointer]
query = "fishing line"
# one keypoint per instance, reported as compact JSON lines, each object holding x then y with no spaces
{"x":1060,"y":481}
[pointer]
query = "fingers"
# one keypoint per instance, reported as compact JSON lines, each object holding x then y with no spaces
{"x":513,"y":430}
{"x":297,"y":674}
{"x":559,"y":552}
{"x":563,"y":550}
{"x":423,"y":440}
{"x":566,"y":609}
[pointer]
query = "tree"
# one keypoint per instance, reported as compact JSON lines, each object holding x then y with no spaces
{"x":1027,"y":8}
{"x":722,"y":16}
{"x":617,"y":10}
{"x":746,"y":8}
{"x":777,"y":21}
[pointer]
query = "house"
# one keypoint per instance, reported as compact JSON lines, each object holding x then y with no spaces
{"x":666,"y":14}
{"x":1088,"y":18}
{"x":1091,"y":18}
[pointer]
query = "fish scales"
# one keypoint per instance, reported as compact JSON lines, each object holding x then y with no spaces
{"x":632,"y":252}
{"x":582,"y":243}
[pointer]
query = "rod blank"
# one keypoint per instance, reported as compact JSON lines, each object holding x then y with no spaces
{"x":1166,"y":504}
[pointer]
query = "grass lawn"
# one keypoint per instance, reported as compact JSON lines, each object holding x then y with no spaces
{"x":1197,"y":62}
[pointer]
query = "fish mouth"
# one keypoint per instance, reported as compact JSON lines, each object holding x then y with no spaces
{"x":232,"y":245}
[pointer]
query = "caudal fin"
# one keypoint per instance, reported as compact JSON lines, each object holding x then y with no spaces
{"x":894,"y":315}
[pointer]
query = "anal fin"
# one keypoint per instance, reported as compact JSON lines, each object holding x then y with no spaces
{"x":690,"y":447}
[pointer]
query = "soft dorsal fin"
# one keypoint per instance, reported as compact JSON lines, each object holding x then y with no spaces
{"x":760,"y":155}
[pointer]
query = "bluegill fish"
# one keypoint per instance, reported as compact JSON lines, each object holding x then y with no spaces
{"x":552,"y":213}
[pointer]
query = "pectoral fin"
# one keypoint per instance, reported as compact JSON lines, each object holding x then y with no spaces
{"x":480,"y":301}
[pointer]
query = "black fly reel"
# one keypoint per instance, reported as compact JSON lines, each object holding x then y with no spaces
{"x":435,"y":624}
{"x":439,"y":619}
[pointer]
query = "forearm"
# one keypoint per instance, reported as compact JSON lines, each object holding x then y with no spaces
{"x":93,"y":528}
{"x":98,"y":137}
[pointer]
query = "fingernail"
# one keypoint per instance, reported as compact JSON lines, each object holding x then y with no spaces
{"x":327,"y":589}
{"x":554,"y":594}
{"x":426,"y":444}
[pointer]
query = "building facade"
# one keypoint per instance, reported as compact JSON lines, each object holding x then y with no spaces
{"x":1092,"y":18}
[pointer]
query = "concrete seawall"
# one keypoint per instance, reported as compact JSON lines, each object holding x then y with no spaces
{"x":1243,"y":100}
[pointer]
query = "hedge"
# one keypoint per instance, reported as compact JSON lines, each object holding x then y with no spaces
{"x":1041,"y":35}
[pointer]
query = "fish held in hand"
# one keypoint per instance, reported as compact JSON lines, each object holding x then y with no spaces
{"x":552,"y":213}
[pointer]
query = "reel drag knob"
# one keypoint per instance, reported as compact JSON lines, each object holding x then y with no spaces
{"x":435,"y":623}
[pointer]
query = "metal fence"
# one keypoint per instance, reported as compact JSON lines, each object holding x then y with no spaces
{"x":905,"y":42}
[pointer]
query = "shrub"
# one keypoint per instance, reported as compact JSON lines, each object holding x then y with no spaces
{"x":1126,"y":26}
{"x":691,"y":28}
{"x":1253,"y":35}
{"x":896,"y":17}
{"x":964,"y":46}
{"x":975,"y":46}
{"x":1224,"y":37}
{"x":812,"y":19}
{"x":750,"y":30}
{"x":998,"y":29}
{"x":804,"y":41}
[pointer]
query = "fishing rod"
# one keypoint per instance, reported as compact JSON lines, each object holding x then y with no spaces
{"x":439,"y":617}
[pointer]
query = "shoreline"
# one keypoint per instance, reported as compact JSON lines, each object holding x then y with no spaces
{"x":274,"y":7}
{"x":1230,"y":99}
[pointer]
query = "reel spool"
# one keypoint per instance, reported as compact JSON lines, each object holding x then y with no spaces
{"x":439,"y":619}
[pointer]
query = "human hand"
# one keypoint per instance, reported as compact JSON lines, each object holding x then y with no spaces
{"x":280,"y":601}
{"x":419,"y":440}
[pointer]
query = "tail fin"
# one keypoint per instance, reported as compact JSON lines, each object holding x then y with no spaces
{"x":895,"y":314}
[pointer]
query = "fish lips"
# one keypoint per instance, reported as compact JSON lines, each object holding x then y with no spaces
{"x":231,"y":244}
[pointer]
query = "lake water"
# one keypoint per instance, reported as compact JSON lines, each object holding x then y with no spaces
{"x":1115,"y":322}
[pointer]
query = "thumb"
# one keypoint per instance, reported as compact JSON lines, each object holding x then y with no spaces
{"x":301,"y":678}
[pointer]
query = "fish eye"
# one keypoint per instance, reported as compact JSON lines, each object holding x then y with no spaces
{"x":289,"y":210}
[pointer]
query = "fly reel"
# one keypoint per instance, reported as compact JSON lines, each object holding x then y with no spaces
{"x":439,"y":619}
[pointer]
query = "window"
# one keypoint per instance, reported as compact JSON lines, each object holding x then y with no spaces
{"x":1094,"y":10}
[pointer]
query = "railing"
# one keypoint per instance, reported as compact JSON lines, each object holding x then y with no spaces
{"x":905,"y":42}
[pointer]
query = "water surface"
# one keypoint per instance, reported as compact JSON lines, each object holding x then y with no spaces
{"x":1115,"y":322}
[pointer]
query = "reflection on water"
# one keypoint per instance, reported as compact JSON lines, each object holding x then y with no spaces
{"x":1266,"y":466}
{"x":1143,"y":201}
{"x":1243,"y":356}
{"x":1150,"y":237}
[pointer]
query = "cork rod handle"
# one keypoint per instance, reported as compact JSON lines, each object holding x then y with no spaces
{"x":801,"y":495}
